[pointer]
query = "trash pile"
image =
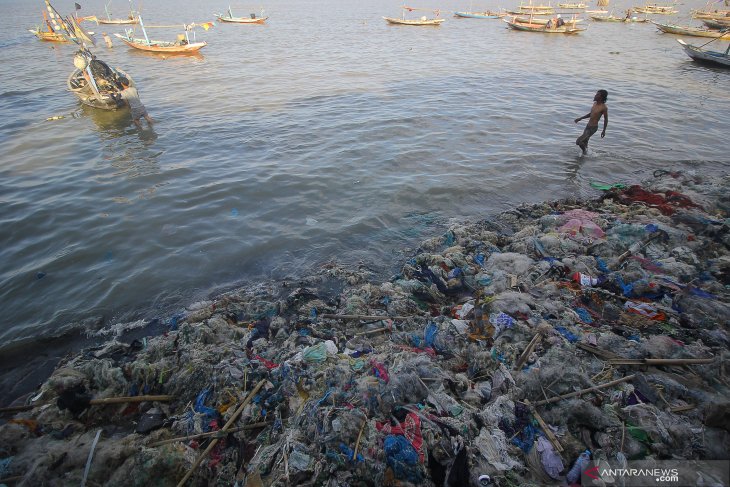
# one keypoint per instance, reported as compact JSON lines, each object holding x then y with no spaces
{"x":507,"y":352}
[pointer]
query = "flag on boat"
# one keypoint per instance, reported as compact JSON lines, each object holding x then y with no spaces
{"x":206,"y":25}
{"x":78,"y":7}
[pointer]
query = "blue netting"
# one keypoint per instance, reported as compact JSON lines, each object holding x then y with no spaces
{"x":402,"y":458}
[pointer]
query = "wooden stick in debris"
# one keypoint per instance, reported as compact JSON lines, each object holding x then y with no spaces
{"x":359,"y":437}
{"x":94,"y":402}
{"x":631,"y":250}
{"x":585,"y":391}
{"x":661,"y":361}
{"x":372,"y":332}
{"x":679,"y":409}
{"x":120,"y":400}
{"x":526,"y":354}
{"x":548,"y":432}
{"x":225,"y":427}
{"x":210,"y":433}
{"x":364,"y":317}
{"x":599,"y":352}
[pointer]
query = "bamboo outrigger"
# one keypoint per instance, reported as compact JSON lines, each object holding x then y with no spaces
{"x":422,"y":21}
{"x":251,"y":19}
{"x":183,"y":45}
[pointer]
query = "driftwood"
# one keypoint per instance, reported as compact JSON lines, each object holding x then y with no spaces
{"x":585,"y":391}
{"x":364,"y":317}
{"x":225,"y":428}
{"x":371,"y":332}
{"x":218,"y":433}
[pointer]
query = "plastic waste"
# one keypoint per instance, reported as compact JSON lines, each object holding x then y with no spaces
{"x":587,"y":281}
{"x":581,"y":463}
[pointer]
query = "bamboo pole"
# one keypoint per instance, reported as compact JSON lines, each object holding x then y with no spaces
{"x":210,"y":433}
{"x":372,"y":332}
{"x":120,"y":400}
{"x":359,"y":437}
{"x":585,"y":391}
{"x":548,"y":432}
{"x":228,"y":424}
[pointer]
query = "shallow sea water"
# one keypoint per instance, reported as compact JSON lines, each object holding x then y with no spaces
{"x":324,"y":134}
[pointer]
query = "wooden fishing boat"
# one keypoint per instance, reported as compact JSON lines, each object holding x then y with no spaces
{"x":691,"y":31}
{"x":572,"y":6}
{"x":95,"y":83}
{"x":251,"y":19}
{"x":180,"y":46}
{"x":705,"y":56}
{"x":597,"y":12}
{"x":421,"y":21}
{"x":48,"y":35}
{"x":656,"y":9}
{"x":536,"y":9}
{"x":132,"y":18}
{"x":613,"y":18}
{"x":542,"y":28}
{"x":716,"y":15}
{"x":717,"y":24}
{"x":480,"y":15}
{"x":183,"y":44}
{"x":533,"y":20}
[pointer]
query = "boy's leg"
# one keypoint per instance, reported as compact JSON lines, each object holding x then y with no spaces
{"x":148,"y":118}
{"x":137,"y":123}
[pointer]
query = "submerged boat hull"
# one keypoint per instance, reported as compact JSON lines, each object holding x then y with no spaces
{"x":79,"y":85}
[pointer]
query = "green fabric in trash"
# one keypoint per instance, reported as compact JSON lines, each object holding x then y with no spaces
{"x":315,"y":354}
{"x":607,"y":187}
{"x":638,"y":433}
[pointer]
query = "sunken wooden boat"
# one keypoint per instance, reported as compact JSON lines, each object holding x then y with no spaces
{"x":691,"y":31}
{"x":706,"y":56}
{"x":543,"y":28}
{"x":95,"y":83}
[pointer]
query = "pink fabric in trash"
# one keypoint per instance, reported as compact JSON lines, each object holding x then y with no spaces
{"x":580,"y":222}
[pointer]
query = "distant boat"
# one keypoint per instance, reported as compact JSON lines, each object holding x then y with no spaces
{"x":717,"y":24}
{"x":132,"y":18}
{"x":572,"y":6}
{"x":422,"y":21}
{"x":51,"y":34}
{"x":702,"y":55}
{"x":182,"y":45}
{"x":251,"y":19}
{"x":479,"y":15}
{"x":714,"y":15}
{"x":542,"y":28}
{"x":533,"y":20}
{"x":613,"y":18}
{"x":656,"y":9}
{"x":95,"y":83}
{"x":691,"y":31}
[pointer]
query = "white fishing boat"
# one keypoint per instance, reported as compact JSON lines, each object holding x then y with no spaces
{"x":434,"y":21}
{"x":716,"y":58}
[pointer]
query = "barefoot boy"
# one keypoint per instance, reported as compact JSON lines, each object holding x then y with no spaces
{"x":598,"y":110}
{"x":131,"y":97}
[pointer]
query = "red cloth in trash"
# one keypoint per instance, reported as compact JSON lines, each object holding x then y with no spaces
{"x":666,"y":204}
{"x":410,"y":428}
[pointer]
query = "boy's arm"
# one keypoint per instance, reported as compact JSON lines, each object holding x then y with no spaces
{"x":581,"y":118}
{"x":605,"y":122}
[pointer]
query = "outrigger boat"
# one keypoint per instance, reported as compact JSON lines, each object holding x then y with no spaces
{"x":656,"y":9}
{"x":60,"y":29}
{"x":704,"y":56}
{"x":132,"y":18}
{"x":480,"y":15}
{"x":251,"y":19}
{"x":691,"y":31}
{"x":527,"y":20}
{"x":566,"y":28}
{"x":183,"y":44}
{"x":422,"y":21}
{"x":95,"y":83}
{"x":717,"y":24}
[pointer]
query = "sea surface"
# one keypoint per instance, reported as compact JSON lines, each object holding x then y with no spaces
{"x":324,"y":134}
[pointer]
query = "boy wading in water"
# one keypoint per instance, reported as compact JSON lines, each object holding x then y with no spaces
{"x":598,"y":110}
{"x":131,"y":97}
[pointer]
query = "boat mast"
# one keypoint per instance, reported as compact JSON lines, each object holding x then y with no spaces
{"x":106,"y":9}
{"x":141,"y":24}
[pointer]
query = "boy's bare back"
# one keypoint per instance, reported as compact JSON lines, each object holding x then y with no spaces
{"x":598,"y":110}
